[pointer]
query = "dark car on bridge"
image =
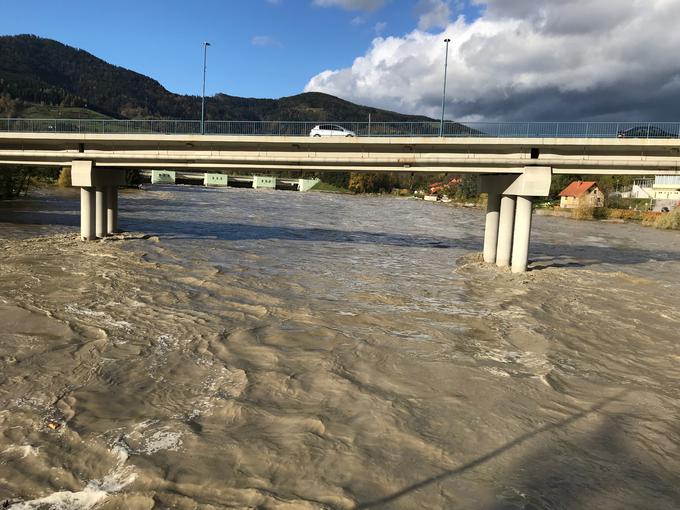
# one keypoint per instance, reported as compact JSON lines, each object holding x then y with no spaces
{"x":645,"y":132}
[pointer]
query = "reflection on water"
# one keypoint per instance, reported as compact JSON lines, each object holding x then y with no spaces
{"x":287,"y":350}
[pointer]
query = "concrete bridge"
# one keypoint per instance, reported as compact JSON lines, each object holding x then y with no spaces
{"x":513,"y":169}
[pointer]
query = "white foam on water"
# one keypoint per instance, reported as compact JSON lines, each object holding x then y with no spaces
{"x":496,"y":371}
{"x":93,"y":493}
{"x":106,"y":318}
{"x":24,"y":450}
{"x":162,"y":440}
{"x":83,"y":311}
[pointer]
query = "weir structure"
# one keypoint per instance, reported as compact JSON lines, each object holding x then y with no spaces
{"x":223,"y":180}
{"x":513,"y":170}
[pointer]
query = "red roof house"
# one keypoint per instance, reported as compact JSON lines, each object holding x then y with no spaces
{"x":584,"y":193}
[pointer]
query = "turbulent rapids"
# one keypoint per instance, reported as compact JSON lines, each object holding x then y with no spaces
{"x":289,"y":350}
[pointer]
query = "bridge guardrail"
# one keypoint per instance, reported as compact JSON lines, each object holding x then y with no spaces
{"x":379,"y":129}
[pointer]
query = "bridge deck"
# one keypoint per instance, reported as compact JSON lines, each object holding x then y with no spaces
{"x":636,"y":156}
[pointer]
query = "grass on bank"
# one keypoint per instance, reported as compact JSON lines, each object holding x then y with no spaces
{"x":669,"y":221}
{"x":664,"y":221}
{"x":329,"y":188}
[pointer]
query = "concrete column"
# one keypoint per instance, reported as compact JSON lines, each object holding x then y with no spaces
{"x":100,"y":214}
{"x":520,"y":242}
{"x":493,"y":208}
{"x":112,"y":210}
{"x":87,"y":201}
{"x":506,"y":222}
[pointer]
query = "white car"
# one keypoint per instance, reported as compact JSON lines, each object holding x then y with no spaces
{"x":330,"y":130}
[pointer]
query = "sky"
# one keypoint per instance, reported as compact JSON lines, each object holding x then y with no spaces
{"x":508,"y":60}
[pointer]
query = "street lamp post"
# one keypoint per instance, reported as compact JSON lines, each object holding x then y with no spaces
{"x":205,"y":62}
{"x":446,"y":66}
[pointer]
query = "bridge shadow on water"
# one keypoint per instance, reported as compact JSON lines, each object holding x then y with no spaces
{"x":194,"y":230}
{"x":543,"y":255}
{"x":562,"y":466}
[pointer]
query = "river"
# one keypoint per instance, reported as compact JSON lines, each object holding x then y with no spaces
{"x":280,"y":350}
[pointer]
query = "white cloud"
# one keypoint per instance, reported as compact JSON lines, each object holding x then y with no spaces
{"x":433,"y":14}
{"x":528,"y":59}
{"x":351,"y":5}
{"x":379,"y":27}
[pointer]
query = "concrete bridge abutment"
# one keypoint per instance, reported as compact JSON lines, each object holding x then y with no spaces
{"x":508,"y":215}
{"x":98,"y":198}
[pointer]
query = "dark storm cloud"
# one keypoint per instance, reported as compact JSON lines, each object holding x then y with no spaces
{"x":529,"y":60}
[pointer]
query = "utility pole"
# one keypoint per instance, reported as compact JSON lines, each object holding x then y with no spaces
{"x":446,"y":66}
{"x":205,"y":67}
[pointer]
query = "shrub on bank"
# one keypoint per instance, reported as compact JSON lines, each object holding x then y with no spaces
{"x":401,"y":192}
{"x":64,"y":180}
{"x":586,"y":212}
{"x":670,"y":220}
{"x":616,"y":202}
{"x":655,"y":219}
{"x":623,"y":214}
{"x":601,"y":213}
{"x":583,"y":213}
{"x":649,"y":217}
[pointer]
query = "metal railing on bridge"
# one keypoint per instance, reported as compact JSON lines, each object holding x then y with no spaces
{"x":378,"y":129}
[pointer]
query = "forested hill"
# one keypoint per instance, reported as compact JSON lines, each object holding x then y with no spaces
{"x":42,"y":77}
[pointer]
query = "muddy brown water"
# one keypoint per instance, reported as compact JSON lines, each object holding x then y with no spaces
{"x":284,"y":350}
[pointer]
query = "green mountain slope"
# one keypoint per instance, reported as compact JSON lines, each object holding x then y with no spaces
{"x":42,"y":77}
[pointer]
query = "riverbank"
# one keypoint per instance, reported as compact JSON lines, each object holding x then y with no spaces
{"x":659,"y":220}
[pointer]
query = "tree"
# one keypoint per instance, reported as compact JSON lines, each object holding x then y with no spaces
{"x":468,"y":187}
{"x":14,"y":182}
{"x":339,"y":179}
{"x":8,"y":106}
{"x":371,"y":182}
{"x":559,"y":182}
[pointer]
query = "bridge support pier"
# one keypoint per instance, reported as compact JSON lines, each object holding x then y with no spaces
{"x":87,"y":216}
{"x":522,"y":235}
{"x":505,"y":231}
{"x":112,"y":210}
{"x":101,"y":213}
{"x":508,"y":215}
{"x":493,"y":208}
{"x":98,"y":198}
